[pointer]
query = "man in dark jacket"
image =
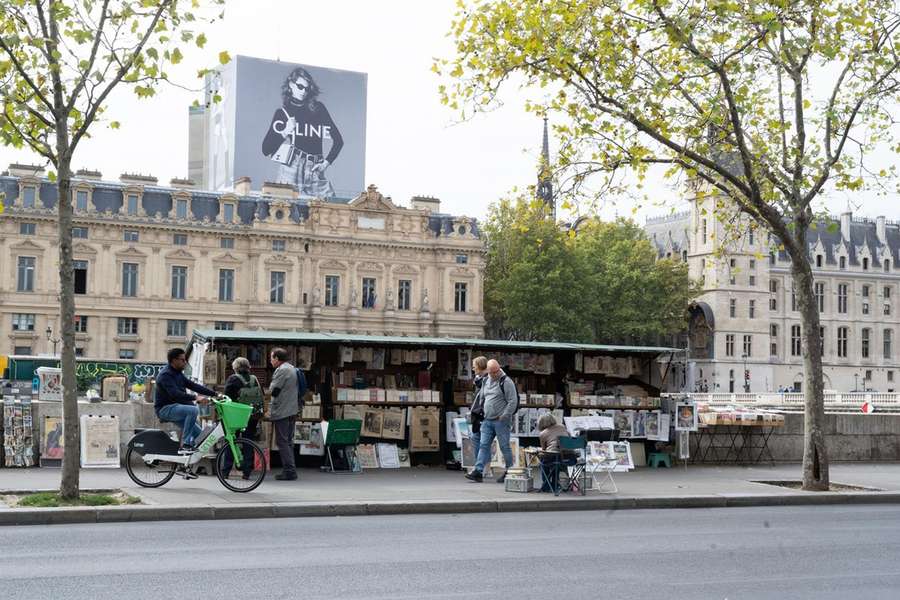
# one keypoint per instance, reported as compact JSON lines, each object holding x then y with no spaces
{"x":173,"y":403}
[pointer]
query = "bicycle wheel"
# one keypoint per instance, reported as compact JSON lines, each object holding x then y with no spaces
{"x":145,"y":474}
{"x":238,"y":479}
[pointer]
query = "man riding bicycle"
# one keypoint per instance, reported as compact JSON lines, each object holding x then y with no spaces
{"x":173,"y":403}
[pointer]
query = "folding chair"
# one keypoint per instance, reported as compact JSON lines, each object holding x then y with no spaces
{"x":577,"y":462}
{"x":602,"y":464}
{"x":549,"y":464}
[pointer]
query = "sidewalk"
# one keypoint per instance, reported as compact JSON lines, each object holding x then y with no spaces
{"x":437,"y":490}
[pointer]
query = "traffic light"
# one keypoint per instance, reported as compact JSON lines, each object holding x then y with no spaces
{"x":746,"y":374}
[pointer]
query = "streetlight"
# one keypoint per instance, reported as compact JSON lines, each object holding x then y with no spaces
{"x":746,"y":375}
{"x":52,"y":339}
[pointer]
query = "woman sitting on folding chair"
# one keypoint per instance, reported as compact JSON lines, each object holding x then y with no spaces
{"x":550,"y":455}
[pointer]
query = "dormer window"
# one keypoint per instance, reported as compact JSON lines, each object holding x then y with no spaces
{"x":819,"y":261}
{"x":887,"y":264}
{"x":81,"y":201}
{"x":843,"y":262}
{"x":181,"y":209}
{"x":865,"y":264}
{"x":28,"y":197}
{"x":131,"y":205}
{"x":228,"y":212}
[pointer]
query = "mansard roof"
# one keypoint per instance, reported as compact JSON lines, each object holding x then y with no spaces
{"x":157,"y":201}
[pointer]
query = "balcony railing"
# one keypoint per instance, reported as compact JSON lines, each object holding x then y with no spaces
{"x":795,"y":400}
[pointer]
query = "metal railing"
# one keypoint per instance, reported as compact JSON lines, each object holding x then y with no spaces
{"x":795,"y":400}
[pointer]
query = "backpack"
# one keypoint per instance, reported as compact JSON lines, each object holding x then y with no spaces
{"x":502,"y":389}
{"x":251,"y":393}
{"x":301,"y":388}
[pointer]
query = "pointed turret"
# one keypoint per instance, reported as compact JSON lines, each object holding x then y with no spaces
{"x":545,"y":182}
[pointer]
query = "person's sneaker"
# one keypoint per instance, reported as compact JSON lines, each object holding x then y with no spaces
{"x":286,"y":476}
{"x":475,"y":476}
{"x":186,"y":449}
{"x":245,"y":476}
{"x":502,"y":478}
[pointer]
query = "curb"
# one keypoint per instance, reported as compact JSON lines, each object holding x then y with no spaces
{"x":144,"y":513}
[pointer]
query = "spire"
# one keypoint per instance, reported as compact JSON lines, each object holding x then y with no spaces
{"x":545,"y":183}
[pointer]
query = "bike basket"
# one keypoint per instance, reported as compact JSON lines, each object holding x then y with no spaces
{"x":234,"y":415}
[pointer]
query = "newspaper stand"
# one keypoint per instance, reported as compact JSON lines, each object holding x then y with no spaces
{"x":342,"y":438}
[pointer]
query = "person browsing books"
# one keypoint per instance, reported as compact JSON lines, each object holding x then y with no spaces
{"x":287,"y":387}
{"x":500,"y":402}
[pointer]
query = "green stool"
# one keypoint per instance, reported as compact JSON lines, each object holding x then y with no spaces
{"x":659,"y":458}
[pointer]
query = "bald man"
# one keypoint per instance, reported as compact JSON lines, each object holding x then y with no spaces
{"x":500,"y":402}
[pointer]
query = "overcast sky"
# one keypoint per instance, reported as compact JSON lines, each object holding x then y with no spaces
{"x":413,"y":145}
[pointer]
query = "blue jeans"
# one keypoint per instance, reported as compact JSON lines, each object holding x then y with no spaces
{"x":490,"y":429}
{"x":184,"y":415}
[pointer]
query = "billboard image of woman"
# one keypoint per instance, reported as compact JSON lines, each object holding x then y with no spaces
{"x":297,"y":135}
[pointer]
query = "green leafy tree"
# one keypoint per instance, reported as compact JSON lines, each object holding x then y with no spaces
{"x":601,"y":283}
{"x":717,"y":91}
{"x":59,"y":62}
{"x":533,"y":284}
{"x":635,"y":297}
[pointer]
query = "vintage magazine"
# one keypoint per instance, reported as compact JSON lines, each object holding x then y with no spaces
{"x":372,"y":422}
{"x":393,"y":423}
{"x":99,"y":441}
{"x":425,"y":429}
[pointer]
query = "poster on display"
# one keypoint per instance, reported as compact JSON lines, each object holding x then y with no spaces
{"x":372,"y":422}
{"x":425,"y":429}
{"x":388,"y":456}
{"x":393,"y":423}
{"x":52,"y":440}
{"x":113,"y":389}
{"x":685,"y":416}
{"x":367,"y":455}
{"x":49,"y":384}
{"x":315,"y":446}
{"x":99,"y":442}
{"x":464,"y":364}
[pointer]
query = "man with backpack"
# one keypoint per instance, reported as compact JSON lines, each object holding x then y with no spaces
{"x":287,"y":388}
{"x":501,"y":400}
{"x":244,"y":387}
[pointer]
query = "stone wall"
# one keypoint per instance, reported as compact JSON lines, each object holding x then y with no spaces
{"x":850,"y":437}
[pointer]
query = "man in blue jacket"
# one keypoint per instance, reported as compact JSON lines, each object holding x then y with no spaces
{"x":173,"y":403}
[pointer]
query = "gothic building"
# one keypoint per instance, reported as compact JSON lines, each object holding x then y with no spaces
{"x":744,"y":331}
{"x":153,"y":262}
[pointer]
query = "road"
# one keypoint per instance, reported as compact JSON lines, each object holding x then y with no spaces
{"x":804,"y":552}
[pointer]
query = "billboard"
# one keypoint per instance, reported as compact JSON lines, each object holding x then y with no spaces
{"x":287,"y":123}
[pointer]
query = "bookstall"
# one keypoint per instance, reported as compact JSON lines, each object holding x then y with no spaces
{"x":408,"y":392}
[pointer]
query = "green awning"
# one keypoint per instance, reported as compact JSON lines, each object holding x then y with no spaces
{"x":302,"y":337}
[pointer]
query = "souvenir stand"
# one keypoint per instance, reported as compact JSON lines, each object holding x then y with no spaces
{"x":408,"y":392}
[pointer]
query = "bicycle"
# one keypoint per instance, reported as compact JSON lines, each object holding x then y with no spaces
{"x":153,"y":457}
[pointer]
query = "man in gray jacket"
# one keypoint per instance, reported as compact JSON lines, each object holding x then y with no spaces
{"x":500,"y":401}
{"x":283,"y":409}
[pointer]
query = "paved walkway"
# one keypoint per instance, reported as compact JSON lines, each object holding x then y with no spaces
{"x":429,"y":489}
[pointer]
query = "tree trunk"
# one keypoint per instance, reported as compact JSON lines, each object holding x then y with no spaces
{"x":815,"y":452}
{"x":69,"y":486}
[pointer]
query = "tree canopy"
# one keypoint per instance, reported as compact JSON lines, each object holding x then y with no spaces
{"x":601,"y":284}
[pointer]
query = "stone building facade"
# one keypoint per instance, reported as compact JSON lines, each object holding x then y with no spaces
{"x":744,"y":331}
{"x":153,"y":263}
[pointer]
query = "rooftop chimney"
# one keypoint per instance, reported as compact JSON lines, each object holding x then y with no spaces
{"x":880,"y":230}
{"x":242,"y":186}
{"x":19,"y":170}
{"x":280,"y":190}
{"x":846,"y":217}
{"x":425,"y":203}
{"x":89,"y":174}
{"x":182,"y":184}
{"x":138,"y":179}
